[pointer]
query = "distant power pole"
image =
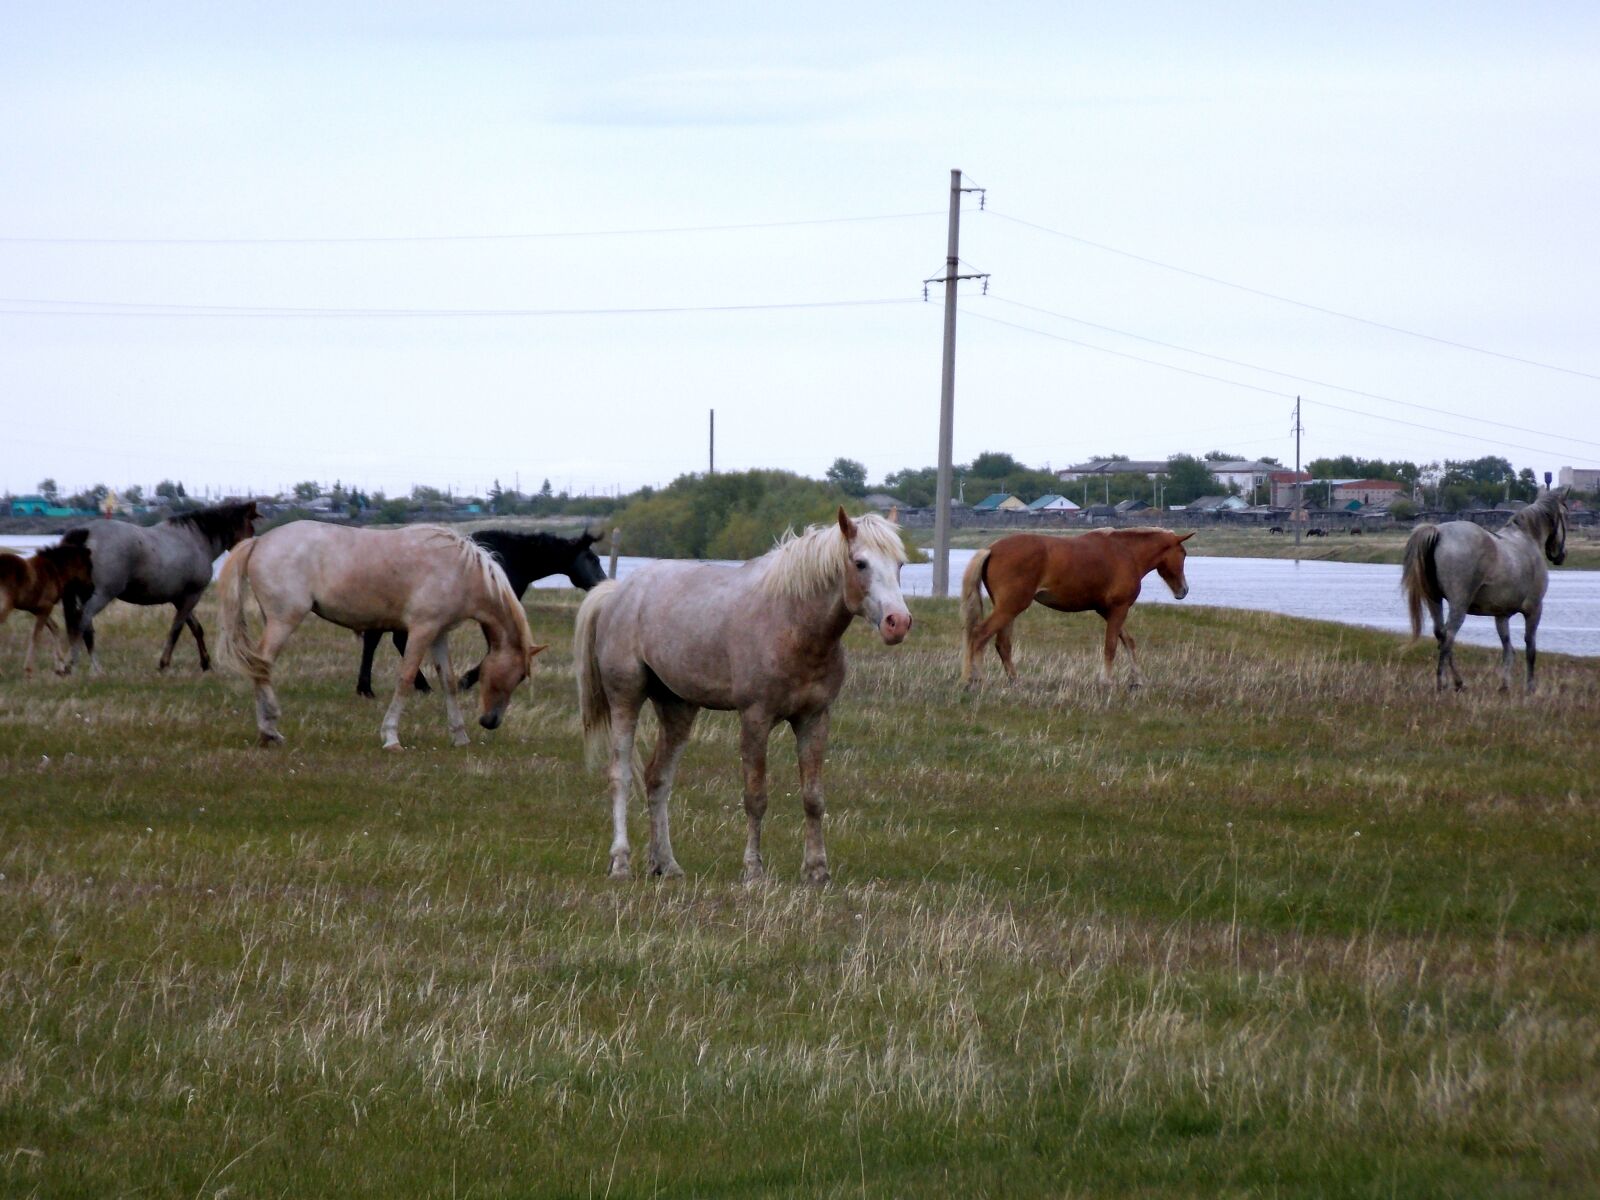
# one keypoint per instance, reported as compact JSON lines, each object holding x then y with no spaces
{"x":947,"y":387}
{"x":712,"y":469}
{"x":1299,"y":484}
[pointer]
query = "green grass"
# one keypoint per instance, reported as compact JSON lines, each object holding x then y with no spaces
{"x":1283,"y":922}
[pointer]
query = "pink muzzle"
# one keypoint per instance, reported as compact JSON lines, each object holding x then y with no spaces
{"x":895,"y":627}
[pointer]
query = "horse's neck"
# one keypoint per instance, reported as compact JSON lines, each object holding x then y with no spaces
{"x":821,"y":618}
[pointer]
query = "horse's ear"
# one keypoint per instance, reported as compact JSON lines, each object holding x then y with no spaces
{"x":587,"y":539}
{"x":535,"y":651}
{"x":1186,"y":536}
{"x":250,"y":512}
{"x":846,"y":525}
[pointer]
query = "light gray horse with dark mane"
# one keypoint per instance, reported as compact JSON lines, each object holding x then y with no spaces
{"x":169,"y":563}
{"x":1484,"y":574}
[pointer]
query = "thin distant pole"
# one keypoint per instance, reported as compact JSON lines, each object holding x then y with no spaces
{"x":1299,"y":484}
{"x":712,"y":465}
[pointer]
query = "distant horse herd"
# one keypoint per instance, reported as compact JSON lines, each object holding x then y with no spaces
{"x":763,"y":639}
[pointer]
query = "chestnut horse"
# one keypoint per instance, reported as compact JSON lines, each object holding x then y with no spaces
{"x":762,"y":639}
{"x":37,"y":584}
{"x":421,"y":578}
{"x":1099,"y":571}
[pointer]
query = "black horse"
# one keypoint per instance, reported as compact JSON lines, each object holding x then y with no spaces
{"x":524,"y":557}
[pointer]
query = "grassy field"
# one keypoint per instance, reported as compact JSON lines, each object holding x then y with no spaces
{"x":1388,"y":546}
{"x":1280,"y":923}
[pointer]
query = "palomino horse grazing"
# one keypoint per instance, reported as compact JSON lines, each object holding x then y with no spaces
{"x":524,"y":557}
{"x":1484,"y":574}
{"x":169,"y":563}
{"x":37,"y":584}
{"x":422,"y":578}
{"x":1100,"y":570}
{"x":762,"y":638}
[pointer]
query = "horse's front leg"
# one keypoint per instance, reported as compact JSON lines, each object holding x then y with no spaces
{"x":1502,"y":626}
{"x":447,"y":680}
{"x":811,"y":744}
{"x":410,"y":665}
{"x":1114,"y":617}
{"x":755,"y":729}
{"x":370,"y":639}
{"x":41,"y":623}
{"x":80,"y":627}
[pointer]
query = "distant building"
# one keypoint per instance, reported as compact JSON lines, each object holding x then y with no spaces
{"x":1131,"y":506}
{"x":1244,"y":474}
{"x":1285,"y":487}
{"x":1052,"y":503}
{"x":1580,"y":479}
{"x":880,"y":501}
{"x":1369,"y":493}
{"x":1215,"y":504}
{"x":38,"y":506}
{"x":1099,"y":467}
{"x":999,"y":502}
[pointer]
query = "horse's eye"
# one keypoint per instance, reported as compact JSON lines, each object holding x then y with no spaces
{"x":861,"y":564}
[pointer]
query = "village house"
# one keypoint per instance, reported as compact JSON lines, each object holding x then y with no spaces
{"x":1052,"y":503}
{"x":999,"y":502}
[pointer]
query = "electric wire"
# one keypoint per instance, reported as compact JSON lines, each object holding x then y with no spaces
{"x":118,"y":308}
{"x":1317,"y":308}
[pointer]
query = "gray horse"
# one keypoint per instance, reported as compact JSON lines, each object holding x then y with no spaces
{"x":169,"y":563}
{"x":1484,"y":574}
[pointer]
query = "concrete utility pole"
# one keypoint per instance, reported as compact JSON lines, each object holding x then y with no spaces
{"x":947,"y":389}
{"x":712,"y":466}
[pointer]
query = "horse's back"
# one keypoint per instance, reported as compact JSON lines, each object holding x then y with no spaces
{"x":1070,"y":574}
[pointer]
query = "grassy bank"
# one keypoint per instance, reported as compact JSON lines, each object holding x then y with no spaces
{"x":1388,"y":546}
{"x":1282,"y":922}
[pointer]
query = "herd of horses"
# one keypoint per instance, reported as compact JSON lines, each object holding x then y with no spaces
{"x":763,"y":638}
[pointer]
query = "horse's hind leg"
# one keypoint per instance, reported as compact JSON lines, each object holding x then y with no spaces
{"x":401,"y":640}
{"x":1502,"y":626}
{"x":1447,"y":647}
{"x":624,"y":725}
{"x":998,"y":622}
{"x":273,"y":639}
{"x":1002,"y":647}
{"x":447,"y":680}
{"x":676,"y":721}
{"x":41,"y":623}
{"x":811,"y":743}
{"x":84,"y":635}
{"x":1132,"y":648}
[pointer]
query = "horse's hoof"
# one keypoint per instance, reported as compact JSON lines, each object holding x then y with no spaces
{"x":1134,"y":685}
{"x":619,"y":868}
{"x":667,"y":871}
{"x":394,"y":746}
{"x":818,"y":876}
{"x":269,"y":740}
{"x":755,"y":873}
{"x":460,"y":739}
{"x":365,"y":695}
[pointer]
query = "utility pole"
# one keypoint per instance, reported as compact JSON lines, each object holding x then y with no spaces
{"x":1299,"y":484}
{"x":712,"y":467}
{"x":947,"y":387}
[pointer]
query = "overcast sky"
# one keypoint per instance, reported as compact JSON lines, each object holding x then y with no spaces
{"x":243,"y":245}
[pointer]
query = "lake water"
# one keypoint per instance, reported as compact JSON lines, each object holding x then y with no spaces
{"x":1354,"y":593}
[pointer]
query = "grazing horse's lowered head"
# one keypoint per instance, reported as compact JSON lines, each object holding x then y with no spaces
{"x":1545,"y":521}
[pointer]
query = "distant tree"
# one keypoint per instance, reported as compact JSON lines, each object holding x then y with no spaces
{"x":307,"y":489}
{"x":49,"y":490}
{"x":133,"y":494}
{"x":1223,"y":456}
{"x":429,"y":497}
{"x":1188,"y":478}
{"x":1402,"y":509}
{"x":90,"y":499}
{"x":992,"y":464}
{"x":339,"y":497}
{"x":849,"y":476}
{"x":544,"y":491}
{"x":916,"y":487}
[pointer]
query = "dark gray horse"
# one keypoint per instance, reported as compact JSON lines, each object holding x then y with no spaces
{"x":1484,"y":574}
{"x":169,"y":563}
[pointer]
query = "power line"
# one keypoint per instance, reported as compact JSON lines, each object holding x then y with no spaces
{"x":1317,"y":308}
{"x":457,"y":237}
{"x":1268,"y":391}
{"x":117,"y":308}
{"x":1444,"y":412}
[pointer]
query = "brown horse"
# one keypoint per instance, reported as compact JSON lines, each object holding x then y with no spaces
{"x":38,"y":584}
{"x":1099,"y":571}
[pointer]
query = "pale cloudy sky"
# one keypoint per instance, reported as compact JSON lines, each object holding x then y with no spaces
{"x":247,"y":244}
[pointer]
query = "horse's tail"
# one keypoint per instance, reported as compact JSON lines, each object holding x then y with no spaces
{"x":593,"y":705}
{"x":972,"y":604}
{"x":1419,"y":577}
{"x":13,"y":578}
{"x":234,"y":650}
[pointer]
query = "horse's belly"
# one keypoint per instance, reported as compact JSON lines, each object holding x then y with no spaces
{"x":358,"y":616}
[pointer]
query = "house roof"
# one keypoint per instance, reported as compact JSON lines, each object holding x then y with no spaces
{"x":1132,"y":505}
{"x":995,"y":501}
{"x":1051,"y":501}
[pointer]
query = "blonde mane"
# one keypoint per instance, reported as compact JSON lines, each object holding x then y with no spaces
{"x":495,"y":583}
{"x":803,"y":564}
